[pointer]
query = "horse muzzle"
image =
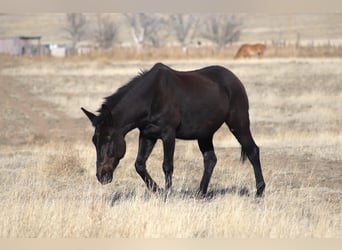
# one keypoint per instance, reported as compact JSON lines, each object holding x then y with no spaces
{"x":105,"y":171}
{"x":104,"y":178}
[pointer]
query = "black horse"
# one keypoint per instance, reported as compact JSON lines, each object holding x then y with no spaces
{"x":167,"y":104}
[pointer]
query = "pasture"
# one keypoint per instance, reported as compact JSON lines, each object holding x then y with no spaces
{"x":47,"y":161}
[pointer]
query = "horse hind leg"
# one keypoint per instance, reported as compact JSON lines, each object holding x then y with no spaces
{"x":239,"y":126}
{"x":209,"y":160}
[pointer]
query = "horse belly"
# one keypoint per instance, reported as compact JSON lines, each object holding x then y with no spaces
{"x":190,"y":132}
{"x":203,"y":106}
{"x":198,"y":121}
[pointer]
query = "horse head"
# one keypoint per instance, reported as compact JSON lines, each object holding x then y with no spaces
{"x":109,"y":143}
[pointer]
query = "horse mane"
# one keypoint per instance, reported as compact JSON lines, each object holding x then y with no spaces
{"x":111,"y":101}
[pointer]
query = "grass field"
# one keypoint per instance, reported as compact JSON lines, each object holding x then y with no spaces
{"x":47,"y":171}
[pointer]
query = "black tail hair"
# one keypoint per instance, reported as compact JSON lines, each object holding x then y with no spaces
{"x":243,"y":155}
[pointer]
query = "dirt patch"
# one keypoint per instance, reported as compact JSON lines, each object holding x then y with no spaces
{"x":27,"y":118}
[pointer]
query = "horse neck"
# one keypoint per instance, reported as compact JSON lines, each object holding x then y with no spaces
{"x":130,"y":111}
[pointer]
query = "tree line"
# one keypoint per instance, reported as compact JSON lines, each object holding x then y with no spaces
{"x":155,"y":29}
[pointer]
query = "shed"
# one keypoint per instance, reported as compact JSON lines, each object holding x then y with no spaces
{"x":20,"y":45}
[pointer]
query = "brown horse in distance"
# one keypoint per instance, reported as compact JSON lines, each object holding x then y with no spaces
{"x":250,"y":50}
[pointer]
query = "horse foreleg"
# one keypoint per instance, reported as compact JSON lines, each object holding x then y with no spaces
{"x":145,"y":148}
{"x":169,"y":141}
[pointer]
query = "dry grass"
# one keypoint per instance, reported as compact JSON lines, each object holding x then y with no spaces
{"x":50,"y":197}
{"x":124,"y":54}
{"x":49,"y":188}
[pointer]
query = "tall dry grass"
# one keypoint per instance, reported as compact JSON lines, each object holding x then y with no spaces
{"x":132,"y":54}
{"x":202,"y":52}
{"x":56,"y":195}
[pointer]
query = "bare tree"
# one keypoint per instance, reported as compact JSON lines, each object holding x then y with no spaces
{"x":137,"y":29}
{"x":147,"y":27}
{"x":221,"y":29}
{"x":185,"y":27}
{"x":75,"y":28}
{"x":155,"y":29}
{"x":106,"y":32}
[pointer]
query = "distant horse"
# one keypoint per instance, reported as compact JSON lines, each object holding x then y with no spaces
{"x":249,"y":50}
{"x":167,"y":104}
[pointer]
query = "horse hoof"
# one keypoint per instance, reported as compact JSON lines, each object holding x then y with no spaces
{"x":260,"y":190}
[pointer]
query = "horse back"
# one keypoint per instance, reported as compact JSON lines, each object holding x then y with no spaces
{"x":214,"y":84}
{"x":197,"y":102}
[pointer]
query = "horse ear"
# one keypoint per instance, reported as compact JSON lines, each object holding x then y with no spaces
{"x":90,"y":115}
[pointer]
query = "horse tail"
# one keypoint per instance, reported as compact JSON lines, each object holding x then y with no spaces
{"x":238,"y":107}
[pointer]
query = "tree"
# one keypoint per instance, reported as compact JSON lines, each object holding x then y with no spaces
{"x":75,"y":27}
{"x":221,"y":29}
{"x":137,"y":30}
{"x":147,"y":27}
{"x":185,"y":27}
{"x":106,"y":32}
{"x":155,"y":29}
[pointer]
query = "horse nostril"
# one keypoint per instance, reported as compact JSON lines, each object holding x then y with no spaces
{"x":104,"y":178}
